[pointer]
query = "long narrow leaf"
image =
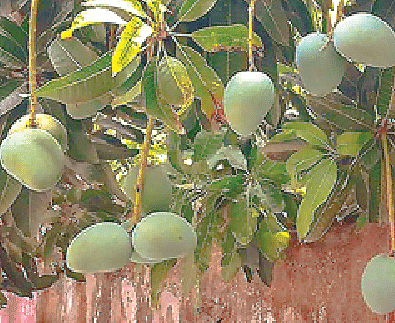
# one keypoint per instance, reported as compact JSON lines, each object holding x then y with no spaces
{"x":93,"y":16}
{"x":216,"y":38}
{"x":193,"y":9}
{"x":82,"y":85}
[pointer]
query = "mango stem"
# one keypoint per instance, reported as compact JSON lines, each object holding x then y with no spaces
{"x":390,"y":206}
{"x":32,"y":62}
{"x":141,"y":175}
{"x":250,"y":31}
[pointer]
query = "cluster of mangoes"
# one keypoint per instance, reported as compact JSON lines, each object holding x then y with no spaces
{"x":161,"y":235}
{"x":360,"y":38}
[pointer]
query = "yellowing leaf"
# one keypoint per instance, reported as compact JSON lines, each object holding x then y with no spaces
{"x":135,"y":33}
{"x":93,"y":16}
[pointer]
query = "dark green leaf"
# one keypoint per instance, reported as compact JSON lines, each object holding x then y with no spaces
{"x":274,"y":20}
{"x":243,"y":220}
{"x":11,"y":54}
{"x":386,"y":81}
{"x":193,"y":9}
{"x":298,"y":14}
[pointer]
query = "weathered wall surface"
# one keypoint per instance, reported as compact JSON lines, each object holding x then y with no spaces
{"x":319,"y":282}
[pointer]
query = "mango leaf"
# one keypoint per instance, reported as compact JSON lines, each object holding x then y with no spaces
{"x":309,"y":132}
{"x":208,"y":86}
{"x":132,"y":6}
{"x":70,"y":55}
{"x":250,"y":256}
{"x":154,"y":106}
{"x":16,"y":277}
{"x":340,"y":112}
{"x":230,"y":271}
{"x":82,"y":85}
{"x":231,"y":185}
{"x":9,"y":191}
{"x":207,"y":144}
{"x":228,"y":247}
{"x":93,"y":16}
{"x":14,"y":33}
{"x":273,"y":18}
{"x":270,"y":197}
{"x":265,"y":270}
{"x":319,"y":184}
{"x":243,"y":220}
{"x":233,"y":155}
{"x":6,"y":90}
{"x":128,"y":96}
{"x":326,"y":213}
{"x":212,"y":39}
{"x":370,"y":155}
{"x":203,"y":252}
{"x":297,"y":13}
{"x":386,"y":80}
{"x":11,"y":54}
{"x":134,"y":34}
{"x":158,"y":275}
{"x":193,"y":9}
{"x":275,"y":171}
{"x":350,"y":143}
{"x":271,"y":238}
{"x":302,"y":160}
{"x":189,"y":277}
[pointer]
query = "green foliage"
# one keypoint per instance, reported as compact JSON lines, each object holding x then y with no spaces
{"x":298,"y":169}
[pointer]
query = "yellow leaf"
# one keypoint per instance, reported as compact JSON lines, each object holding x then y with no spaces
{"x":135,"y":33}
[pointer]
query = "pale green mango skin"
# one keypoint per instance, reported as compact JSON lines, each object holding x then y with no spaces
{"x":378,"y":284}
{"x":366,"y":39}
{"x":33,"y":157}
{"x":321,"y":70}
{"x":247,"y":99}
{"x":100,"y":248}
{"x":44,"y":122}
{"x":163,"y":235}
{"x":157,"y":193}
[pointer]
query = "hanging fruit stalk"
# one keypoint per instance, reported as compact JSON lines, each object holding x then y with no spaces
{"x":250,"y":30}
{"x":140,"y":178}
{"x":32,"y":62}
{"x":145,"y":149}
